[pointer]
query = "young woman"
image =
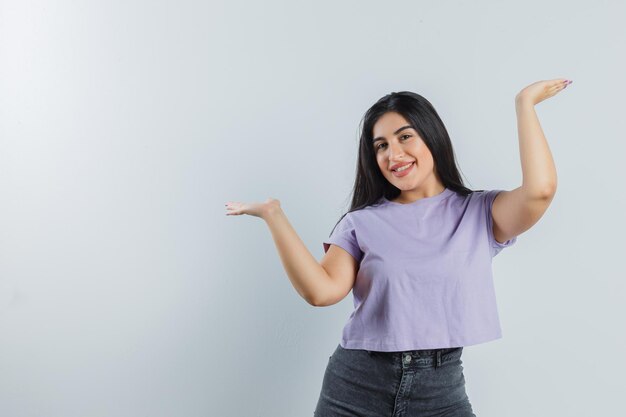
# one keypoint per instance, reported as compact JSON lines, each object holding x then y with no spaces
{"x":415,"y":248}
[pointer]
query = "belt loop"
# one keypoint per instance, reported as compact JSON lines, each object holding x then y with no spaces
{"x":438,"y":359}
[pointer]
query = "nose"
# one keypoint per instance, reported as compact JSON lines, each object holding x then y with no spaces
{"x":395,"y":152}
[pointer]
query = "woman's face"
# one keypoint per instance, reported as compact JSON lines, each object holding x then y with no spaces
{"x":396,"y":144}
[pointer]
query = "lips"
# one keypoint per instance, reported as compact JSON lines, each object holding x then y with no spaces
{"x":396,"y":166}
{"x":404,"y":172}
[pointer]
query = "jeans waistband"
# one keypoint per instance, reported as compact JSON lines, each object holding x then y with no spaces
{"x":420,"y":352}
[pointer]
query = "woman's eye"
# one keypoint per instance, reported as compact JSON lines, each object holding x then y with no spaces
{"x":401,"y":137}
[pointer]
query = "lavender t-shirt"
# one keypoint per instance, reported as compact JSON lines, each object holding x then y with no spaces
{"x":425,"y":278}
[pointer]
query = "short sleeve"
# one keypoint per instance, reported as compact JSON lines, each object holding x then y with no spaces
{"x":344,"y":236}
{"x":495,"y":246}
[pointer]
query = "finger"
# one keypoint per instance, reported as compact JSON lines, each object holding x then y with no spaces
{"x":554,"y":90}
{"x":555,"y":84}
{"x":559,"y":82}
{"x":561,"y":87}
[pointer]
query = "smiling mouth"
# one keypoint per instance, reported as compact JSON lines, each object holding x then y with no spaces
{"x":403,"y":168}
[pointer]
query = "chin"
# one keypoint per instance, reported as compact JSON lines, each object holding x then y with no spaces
{"x":407,"y":187}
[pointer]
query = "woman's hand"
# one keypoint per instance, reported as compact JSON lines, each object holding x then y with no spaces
{"x":253,"y":209}
{"x":541,"y":90}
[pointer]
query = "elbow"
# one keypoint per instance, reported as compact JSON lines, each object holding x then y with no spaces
{"x":548,"y":191}
{"x":323,"y":303}
{"x":317,"y":303}
{"x":545,"y":192}
{"x":327,"y":292}
{"x":313,"y":303}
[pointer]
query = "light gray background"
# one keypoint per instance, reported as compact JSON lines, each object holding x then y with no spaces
{"x":125,"y":126}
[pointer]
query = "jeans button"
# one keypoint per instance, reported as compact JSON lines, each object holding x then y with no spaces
{"x":407,"y":358}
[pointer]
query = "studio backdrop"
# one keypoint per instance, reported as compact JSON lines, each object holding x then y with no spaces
{"x":125,"y":127}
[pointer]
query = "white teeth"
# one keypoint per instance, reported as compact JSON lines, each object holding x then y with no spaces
{"x":404,"y":167}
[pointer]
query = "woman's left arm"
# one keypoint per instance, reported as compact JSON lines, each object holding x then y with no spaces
{"x":516,"y":211}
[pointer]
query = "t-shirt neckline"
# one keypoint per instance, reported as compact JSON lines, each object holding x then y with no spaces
{"x":423,"y":201}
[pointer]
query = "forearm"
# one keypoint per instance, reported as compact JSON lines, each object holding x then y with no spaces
{"x":307,"y":276}
{"x":538,"y":170}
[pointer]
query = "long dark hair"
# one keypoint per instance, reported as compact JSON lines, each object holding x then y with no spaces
{"x":370,"y":185}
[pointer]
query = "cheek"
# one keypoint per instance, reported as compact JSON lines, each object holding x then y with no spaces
{"x":425,"y":156}
{"x":381,"y":163}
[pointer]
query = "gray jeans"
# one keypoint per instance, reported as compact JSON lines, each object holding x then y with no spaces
{"x":424,"y":383}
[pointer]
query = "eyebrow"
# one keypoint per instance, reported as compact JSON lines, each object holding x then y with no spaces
{"x":395,"y":133}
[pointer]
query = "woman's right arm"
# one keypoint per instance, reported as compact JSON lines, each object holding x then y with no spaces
{"x":320,"y":284}
{"x":307,"y":276}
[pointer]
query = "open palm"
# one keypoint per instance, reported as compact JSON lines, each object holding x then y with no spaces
{"x":541,"y":90}
{"x":256,"y":209}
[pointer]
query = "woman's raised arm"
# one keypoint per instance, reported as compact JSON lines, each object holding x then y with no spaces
{"x":307,"y":276}
{"x":518,"y":210}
